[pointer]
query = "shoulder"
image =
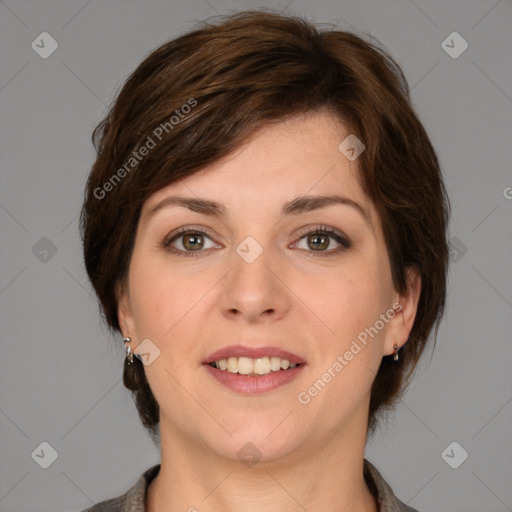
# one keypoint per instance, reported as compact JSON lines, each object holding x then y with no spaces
{"x":133,"y":499}
{"x":386,"y":499}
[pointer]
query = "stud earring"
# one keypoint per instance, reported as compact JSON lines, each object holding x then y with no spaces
{"x":129,"y":354}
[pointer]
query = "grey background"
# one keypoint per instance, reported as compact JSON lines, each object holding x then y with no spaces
{"x":60,"y":371}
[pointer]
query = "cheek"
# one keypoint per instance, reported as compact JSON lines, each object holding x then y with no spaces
{"x":362,"y":295}
{"x":169,"y":302}
{"x":345,"y":302}
{"x":354,"y":352}
{"x":157,"y":296}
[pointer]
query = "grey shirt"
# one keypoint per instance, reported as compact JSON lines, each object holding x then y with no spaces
{"x":133,"y":500}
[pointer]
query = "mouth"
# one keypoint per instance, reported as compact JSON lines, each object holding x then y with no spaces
{"x":253,"y":367}
{"x":253,"y":362}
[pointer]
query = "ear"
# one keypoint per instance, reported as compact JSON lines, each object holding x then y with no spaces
{"x":124,"y":310}
{"x":405,"y":306}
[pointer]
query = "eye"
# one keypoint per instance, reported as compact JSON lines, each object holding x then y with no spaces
{"x":319,"y":240}
{"x":186,"y":240}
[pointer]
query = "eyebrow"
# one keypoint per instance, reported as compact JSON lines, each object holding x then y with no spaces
{"x":296,"y":206}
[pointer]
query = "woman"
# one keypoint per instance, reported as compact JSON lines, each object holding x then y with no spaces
{"x":265,"y":226}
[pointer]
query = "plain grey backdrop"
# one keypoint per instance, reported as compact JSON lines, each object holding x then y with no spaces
{"x":62,"y":402}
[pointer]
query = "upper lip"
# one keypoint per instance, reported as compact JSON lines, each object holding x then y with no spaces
{"x":252,"y":352}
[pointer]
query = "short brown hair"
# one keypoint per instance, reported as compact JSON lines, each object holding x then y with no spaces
{"x":237,"y":74}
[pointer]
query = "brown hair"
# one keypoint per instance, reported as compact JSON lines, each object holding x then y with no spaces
{"x":198,"y":97}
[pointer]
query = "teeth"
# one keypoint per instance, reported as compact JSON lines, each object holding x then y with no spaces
{"x":262,"y":366}
{"x":245,"y":365}
{"x":275,"y":363}
{"x":249,"y":366}
{"x":232,"y":365}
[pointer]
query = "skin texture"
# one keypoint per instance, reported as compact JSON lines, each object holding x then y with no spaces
{"x":291,"y":297}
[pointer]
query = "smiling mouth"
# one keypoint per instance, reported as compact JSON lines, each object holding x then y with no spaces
{"x":253,"y":367}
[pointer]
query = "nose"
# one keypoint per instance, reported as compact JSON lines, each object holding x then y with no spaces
{"x":254,"y":290}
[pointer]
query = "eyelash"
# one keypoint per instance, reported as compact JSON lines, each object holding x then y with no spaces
{"x":320,"y":230}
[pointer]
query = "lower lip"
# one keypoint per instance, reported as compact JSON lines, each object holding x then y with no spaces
{"x":254,"y":385}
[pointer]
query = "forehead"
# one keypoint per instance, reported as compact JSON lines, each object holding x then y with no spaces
{"x":295,"y":157}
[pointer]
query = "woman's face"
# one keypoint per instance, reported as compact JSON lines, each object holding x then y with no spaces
{"x":265,"y":274}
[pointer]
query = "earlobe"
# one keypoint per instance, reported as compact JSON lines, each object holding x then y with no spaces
{"x":401,"y":325}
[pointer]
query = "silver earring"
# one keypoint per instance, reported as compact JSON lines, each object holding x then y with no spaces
{"x":129,"y":354}
{"x":395,"y":356}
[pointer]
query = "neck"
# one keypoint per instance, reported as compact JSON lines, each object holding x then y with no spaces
{"x":326,"y":476}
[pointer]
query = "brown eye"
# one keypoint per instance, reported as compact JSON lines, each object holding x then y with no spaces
{"x":192,"y":242}
{"x":188,"y":241}
{"x":318,"y":241}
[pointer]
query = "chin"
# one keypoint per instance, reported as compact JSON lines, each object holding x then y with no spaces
{"x":262,"y":442}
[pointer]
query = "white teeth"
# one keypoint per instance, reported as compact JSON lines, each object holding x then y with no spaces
{"x":258,"y":366}
{"x":275,"y":363}
{"x":232,"y":365}
{"x":262,"y":366}
{"x":245,"y":365}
